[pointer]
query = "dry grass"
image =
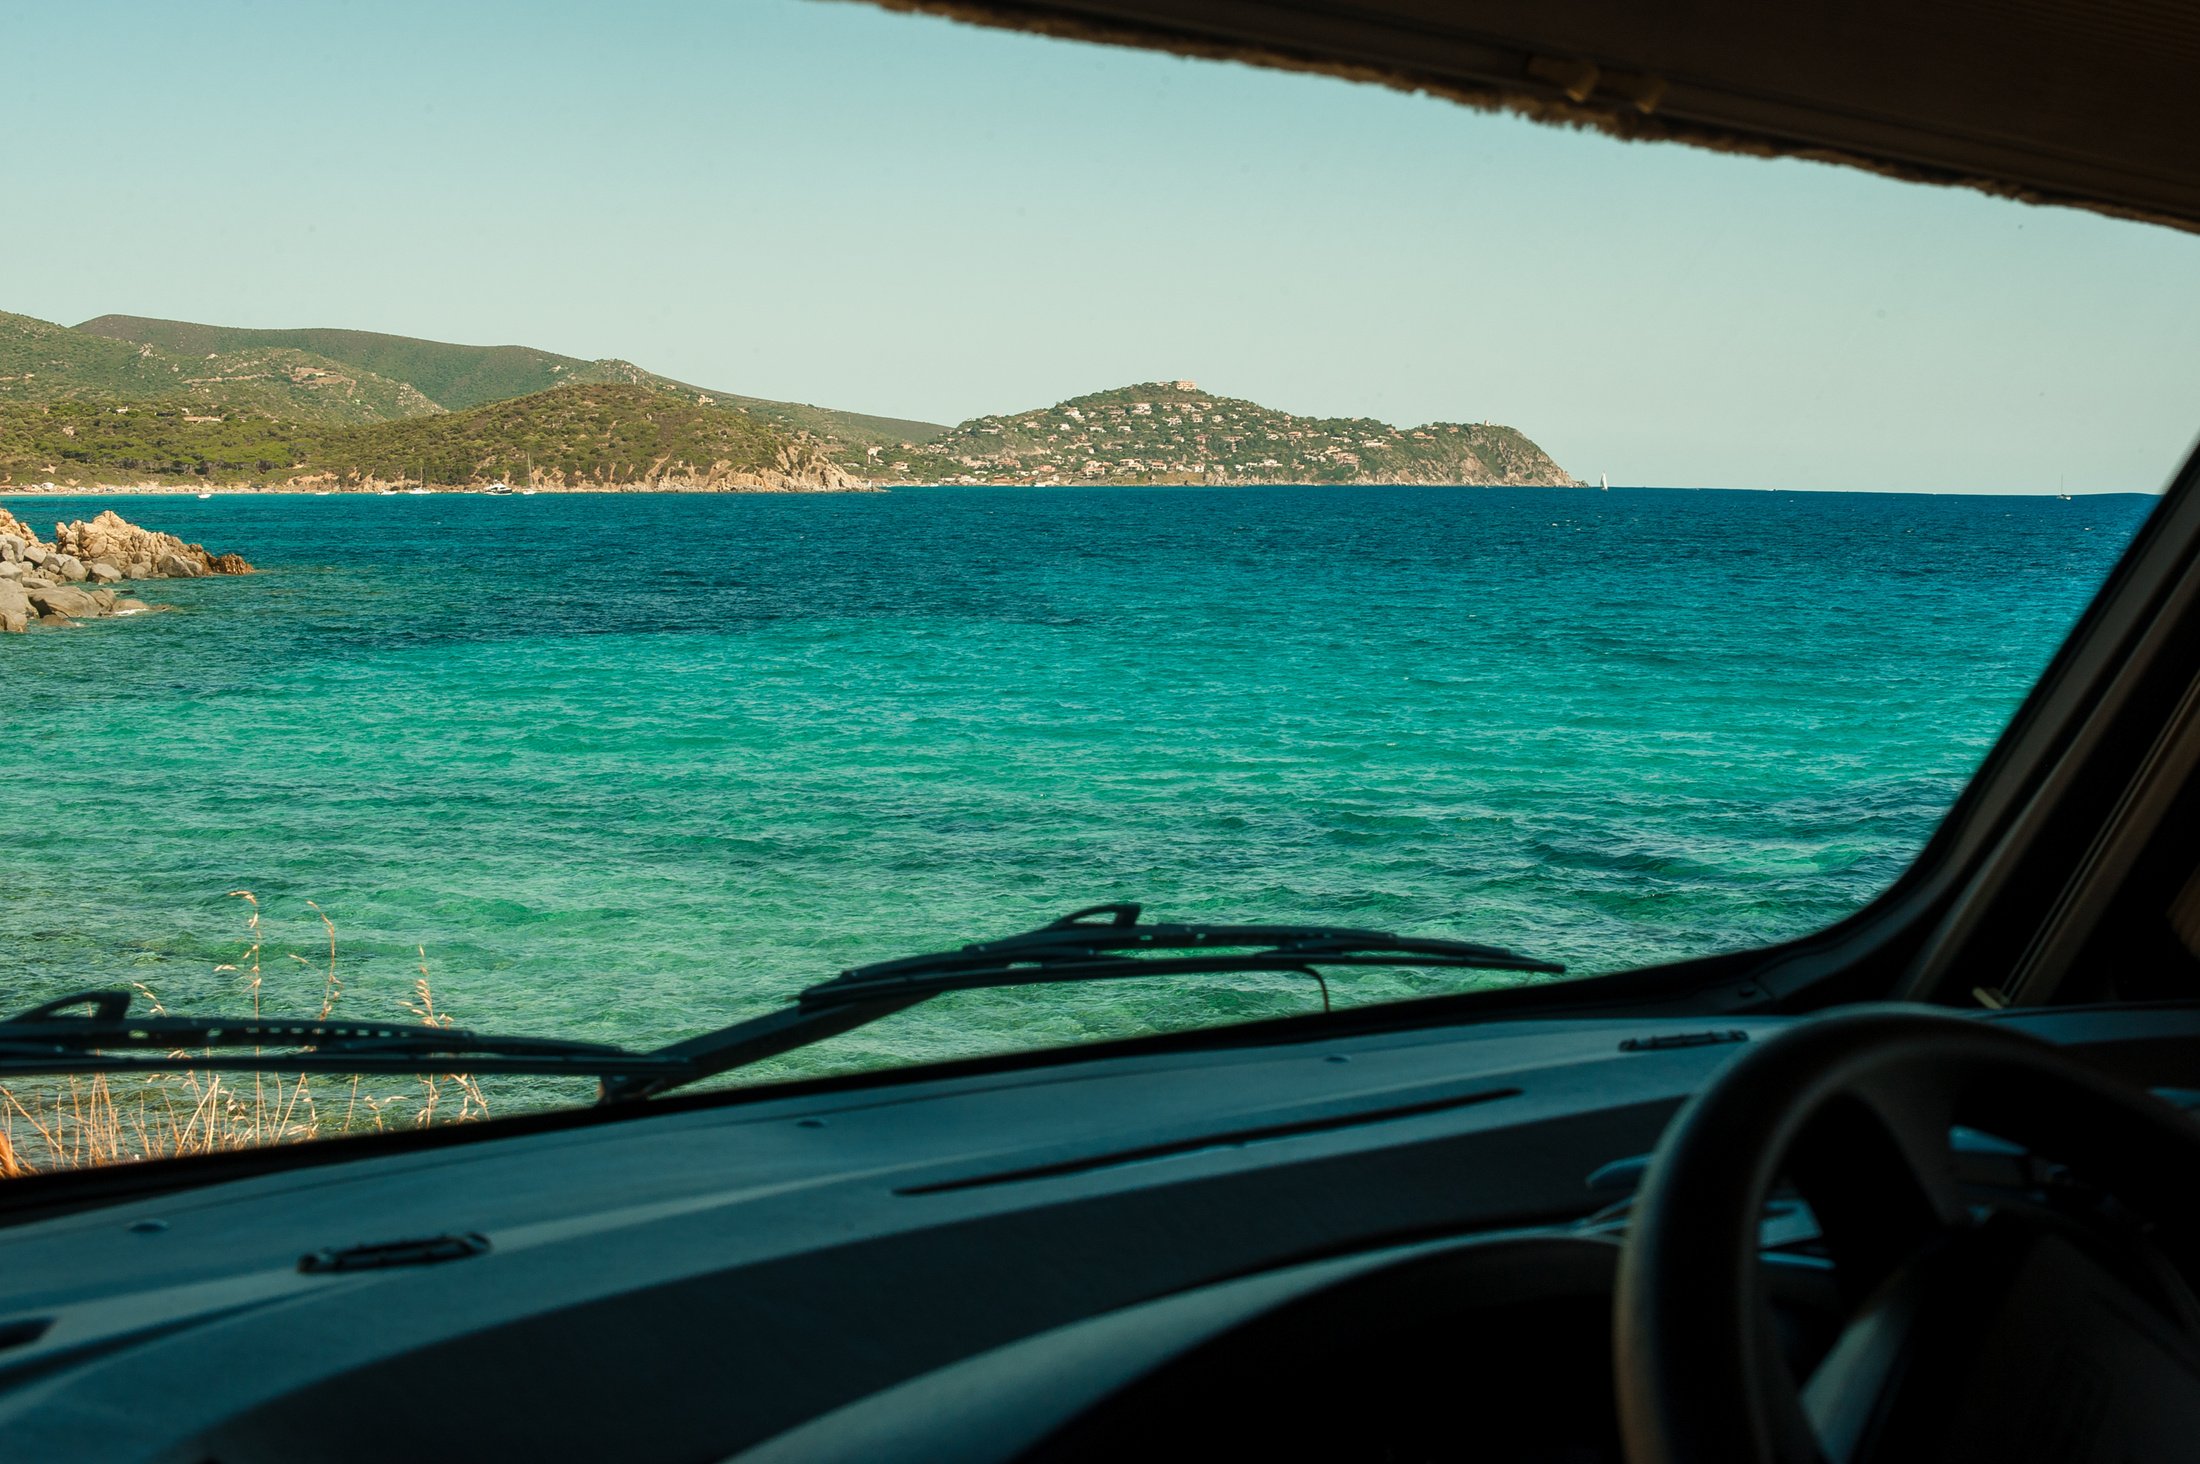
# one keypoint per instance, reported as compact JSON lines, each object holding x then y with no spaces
{"x":77,"y":1122}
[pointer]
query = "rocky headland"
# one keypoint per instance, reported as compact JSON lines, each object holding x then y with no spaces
{"x":1166,"y":432}
{"x":54,"y":584}
{"x":123,"y":402}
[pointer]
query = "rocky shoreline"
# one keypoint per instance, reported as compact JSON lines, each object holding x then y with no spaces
{"x":54,"y":584}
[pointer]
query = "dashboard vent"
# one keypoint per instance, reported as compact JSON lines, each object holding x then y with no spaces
{"x":1667,"y":1041}
{"x":389,"y":1253}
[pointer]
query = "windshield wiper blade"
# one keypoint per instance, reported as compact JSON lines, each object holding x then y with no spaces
{"x":94,"y":1032}
{"x":1076,"y":948}
{"x":1079,"y":948}
{"x":57,"y":1038}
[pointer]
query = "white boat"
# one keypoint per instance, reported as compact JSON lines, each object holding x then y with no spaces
{"x":206,"y":495}
{"x":1604,"y":484}
{"x":416,"y":490}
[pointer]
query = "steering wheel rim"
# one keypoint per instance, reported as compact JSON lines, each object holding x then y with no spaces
{"x":1698,"y":1379}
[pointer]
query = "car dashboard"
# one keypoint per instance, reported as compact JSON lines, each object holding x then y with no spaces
{"x":1400,"y":1241}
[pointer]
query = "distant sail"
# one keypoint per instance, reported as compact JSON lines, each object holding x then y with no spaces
{"x":1604,"y":483}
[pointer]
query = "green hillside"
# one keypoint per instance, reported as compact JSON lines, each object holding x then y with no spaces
{"x":595,"y":434}
{"x":126,"y":399}
{"x":453,"y":377}
{"x":1172,"y":432}
{"x":79,"y":442}
{"x":45,"y":362}
{"x":600,"y":434}
{"x":300,"y":385}
{"x":42,"y":362}
{"x":456,"y":377}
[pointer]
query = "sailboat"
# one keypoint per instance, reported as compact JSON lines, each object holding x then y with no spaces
{"x":1604,"y":483}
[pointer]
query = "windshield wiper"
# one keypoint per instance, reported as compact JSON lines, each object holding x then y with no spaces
{"x":58,"y":1038}
{"x":1104,"y":943}
{"x":1078,"y":947}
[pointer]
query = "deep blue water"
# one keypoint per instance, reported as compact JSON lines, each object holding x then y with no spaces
{"x":627,"y":766}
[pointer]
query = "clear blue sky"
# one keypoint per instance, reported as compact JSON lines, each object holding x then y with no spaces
{"x":827,"y":203}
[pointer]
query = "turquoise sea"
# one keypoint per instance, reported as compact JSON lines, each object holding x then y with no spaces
{"x":625,"y":767}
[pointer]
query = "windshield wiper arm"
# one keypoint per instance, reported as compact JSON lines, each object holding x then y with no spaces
{"x":1076,"y":948}
{"x":55,"y":1038}
{"x":1079,"y":948}
{"x":58,"y":1038}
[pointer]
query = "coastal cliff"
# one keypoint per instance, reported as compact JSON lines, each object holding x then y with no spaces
{"x":56,"y":584}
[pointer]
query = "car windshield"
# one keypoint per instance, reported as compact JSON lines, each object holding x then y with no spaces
{"x":591,"y":526}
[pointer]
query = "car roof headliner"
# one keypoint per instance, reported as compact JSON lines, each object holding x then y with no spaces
{"x":2078,"y":103}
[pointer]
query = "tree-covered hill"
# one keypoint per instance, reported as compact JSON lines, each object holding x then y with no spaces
{"x":82,"y":444}
{"x":455,"y":377}
{"x":42,"y":362}
{"x":597,"y":435}
{"x":126,"y":399}
{"x":602,"y":434}
{"x":1172,"y":432}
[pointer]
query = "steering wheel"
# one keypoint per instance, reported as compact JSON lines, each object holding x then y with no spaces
{"x":2003,"y":1332}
